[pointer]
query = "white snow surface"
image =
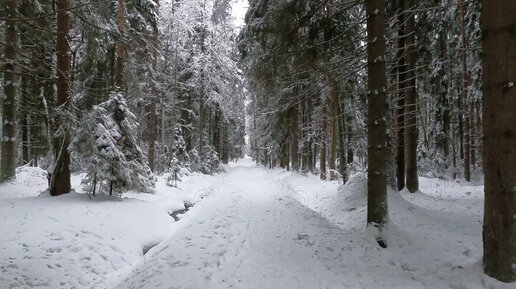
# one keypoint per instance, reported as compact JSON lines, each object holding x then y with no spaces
{"x":250,"y":228}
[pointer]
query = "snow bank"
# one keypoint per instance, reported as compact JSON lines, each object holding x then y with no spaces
{"x":434,"y":236}
{"x":30,"y":182}
{"x":73,"y":242}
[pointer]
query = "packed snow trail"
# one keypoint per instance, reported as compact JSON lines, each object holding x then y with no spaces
{"x":250,"y":233}
{"x":253,"y":233}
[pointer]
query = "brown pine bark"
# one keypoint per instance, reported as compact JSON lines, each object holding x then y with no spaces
{"x":341,"y":127}
{"x":8,"y":149}
{"x":322,"y":153}
{"x":349,"y":141}
{"x":465,"y":96}
{"x":400,"y":103}
{"x":294,"y":137}
{"x":60,"y":180}
{"x":24,"y":107}
{"x":334,"y":133}
{"x":120,"y":47}
{"x":411,"y":177}
{"x":499,"y":119}
{"x":151,"y":107}
{"x":442,"y":113}
{"x":376,"y":115}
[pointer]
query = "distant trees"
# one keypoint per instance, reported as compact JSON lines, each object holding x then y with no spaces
{"x":69,"y":60}
{"x":309,"y":56}
{"x":299,"y":59}
{"x":499,"y":50}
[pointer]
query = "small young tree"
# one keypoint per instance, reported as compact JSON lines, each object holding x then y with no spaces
{"x":107,"y":144}
{"x":210,"y":160}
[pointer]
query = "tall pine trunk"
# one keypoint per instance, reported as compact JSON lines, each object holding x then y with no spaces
{"x":334,"y":102}
{"x":465,"y":96}
{"x":8,"y":149}
{"x":499,"y":119}
{"x":151,"y":107}
{"x":294,"y":136}
{"x":411,"y":180}
{"x":120,"y":47}
{"x":60,"y":180}
{"x":24,"y":107}
{"x":341,"y":127}
{"x":377,"y":213}
{"x":322,"y":153}
{"x":400,"y":103}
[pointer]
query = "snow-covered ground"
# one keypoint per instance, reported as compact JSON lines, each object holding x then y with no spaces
{"x":250,"y":228}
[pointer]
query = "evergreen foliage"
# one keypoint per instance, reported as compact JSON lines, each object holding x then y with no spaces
{"x":107,"y":144}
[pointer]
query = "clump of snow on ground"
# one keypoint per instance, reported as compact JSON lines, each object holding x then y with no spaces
{"x":29,"y":182}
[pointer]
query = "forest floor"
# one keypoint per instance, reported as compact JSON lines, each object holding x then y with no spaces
{"x":250,"y":227}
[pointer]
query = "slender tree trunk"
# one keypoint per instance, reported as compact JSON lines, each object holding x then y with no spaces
{"x":472,"y":135}
{"x":349,"y":136}
{"x":334,"y":102}
{"x":442,"y":113}
{"x":322,"y":153}
{"x":60,"y":180}
{"x":343,"y":167}
{"x":25,"y":140}
{"x":94,"y":184}
{"x":120,"y":47}
{"x":377,"y":212}
{"x":402,"y":84}
{"x":499,"y":117}
{"x":411,"y":176}
{"x":152,"y":117}
{"x":465,"y":96}
{"x":8,"y":149}
{"x":294,"y":136}
{"x":24,"y":107}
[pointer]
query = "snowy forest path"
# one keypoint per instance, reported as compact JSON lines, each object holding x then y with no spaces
{"x":251,"y":231}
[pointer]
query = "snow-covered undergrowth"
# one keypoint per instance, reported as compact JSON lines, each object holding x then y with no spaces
{"x":257,"y":228}
{"x":73,"y":241}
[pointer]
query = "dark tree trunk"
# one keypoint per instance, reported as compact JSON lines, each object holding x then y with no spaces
{"x":377,"y":213}
{"x":411,"y":178}
{"x":152,"y":116}
{"x":120,"y":47}
{"x":323,"y":137}
{"x":499,"y":53}
{"x":343,"y":168}
{"x":334,"y":102}
{"x":8,"y":149}
{"x":402,"y":88}
{"x":60,"y":181}
{"x":24,"y":107}
{"x":465,"y":96}
{"x":25,"y":140}
{"x":349,"y":135}
{"x":294,"y":137}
